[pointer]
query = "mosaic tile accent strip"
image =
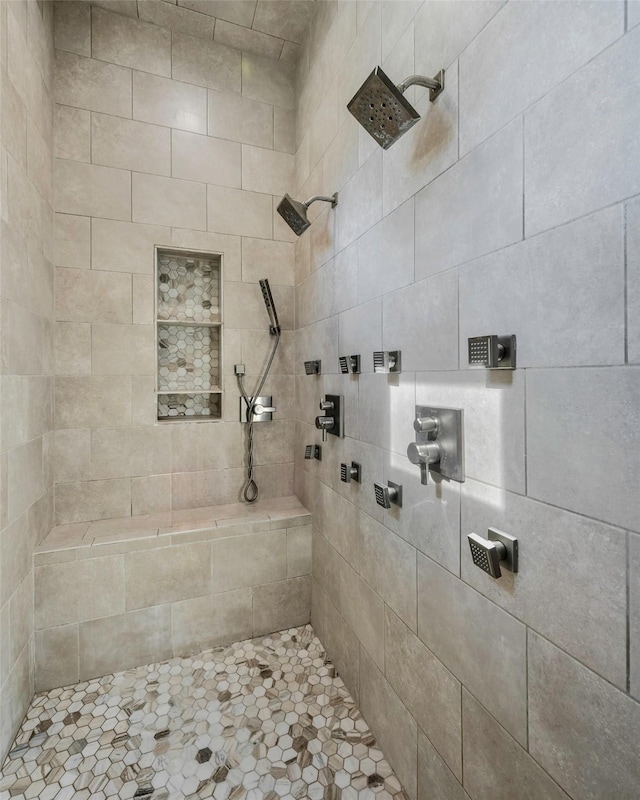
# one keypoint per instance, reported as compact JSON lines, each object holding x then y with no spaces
{"x":188,"y":357}
{"x":258,"y":720}
{"x":175,"y":406}
{"x":188,"y":288}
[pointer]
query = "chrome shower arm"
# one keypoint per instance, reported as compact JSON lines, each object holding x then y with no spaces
{"x":418,"y":80}
{"x":333,"y":200}
{"x":435,"y":84}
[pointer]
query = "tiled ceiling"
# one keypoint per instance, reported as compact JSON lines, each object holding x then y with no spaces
{"x":270,"y":28}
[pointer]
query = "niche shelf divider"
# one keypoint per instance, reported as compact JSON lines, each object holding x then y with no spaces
{"x":189,"y":328}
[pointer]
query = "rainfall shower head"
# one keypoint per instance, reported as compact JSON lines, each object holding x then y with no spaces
{"x":274,"y":326}
{"x":294,"y":213}
{"x":381,"y":109}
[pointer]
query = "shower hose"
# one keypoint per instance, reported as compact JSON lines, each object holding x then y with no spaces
{"x":250,"y":489}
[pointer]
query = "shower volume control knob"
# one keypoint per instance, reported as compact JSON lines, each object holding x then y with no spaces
{"x":326,"y":405}
{"x":423,"y":455}
{"x":425,"y":424}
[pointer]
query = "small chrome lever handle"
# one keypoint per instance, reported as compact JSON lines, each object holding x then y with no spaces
{"x":423,"y":455}
{"x":325,"y":424}
{"x":260,"y":409}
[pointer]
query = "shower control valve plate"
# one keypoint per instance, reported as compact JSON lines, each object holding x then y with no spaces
{"x":449,"y":435}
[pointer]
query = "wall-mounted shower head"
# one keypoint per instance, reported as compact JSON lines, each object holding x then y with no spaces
{"x":274,"y":327}
{"x":294,"y":213}
{"x":381,"y":109}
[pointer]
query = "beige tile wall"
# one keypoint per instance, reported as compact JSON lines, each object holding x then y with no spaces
{"x":26,"y":333}
{"x":166,"y":596}
{"x":511,"y":207}
{"x":163,"y":138}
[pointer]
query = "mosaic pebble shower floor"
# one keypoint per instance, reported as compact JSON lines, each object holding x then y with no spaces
{"x":261,"y":719}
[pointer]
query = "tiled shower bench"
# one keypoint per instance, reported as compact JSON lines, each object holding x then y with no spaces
{"x":120,"y":593}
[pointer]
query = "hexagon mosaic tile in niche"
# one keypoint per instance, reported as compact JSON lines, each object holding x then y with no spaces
{"x":176,"y":406}
{"x":188,"y":288}
{"x":188,"y":357}
{"x":259,"y":720}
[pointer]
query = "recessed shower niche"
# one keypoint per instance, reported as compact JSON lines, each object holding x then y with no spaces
{"x":188,"y":335}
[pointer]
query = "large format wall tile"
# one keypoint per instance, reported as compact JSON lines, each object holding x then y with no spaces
{"x":95,"y":85}
{"x":89,"y":500}
{"x":143,"y":637}
{"x":232,"y":569}
{"x":92,"y":402}
{"x":363,"y":611}
{"x":121,"y":452}
{"x":128,"y":144}
{"x":281,"y":605}
{"x":123,"y":350}
{"x":633,"y":282}
{"x":388,"y":242}
{"x":564,"y":181}
{"x":577,"y":421}
{"x":240,"y":119}
{"x":526,"y":290}
{"x":195,"y":60}
{"x":131,"y":43}
{"x":435,"y":779}
{"x":444,"y":30}
{"x":83,"y":590}
{"x":581,"y":607}
{"x":360,"y":202}
{"x":92,"y":191}
{"x":205,"y":622}
{"x":473,"y":208}
{"x":168,"y":102}
{"x":267,"y":81}
{"x":634,"y":615}
{"x":495,"y":766}
{"x":425,"y":687}
{"x":125,"y":246}
{"x":388,"y":565}
{"x":526,"y":36}
{"x":423,"y":317}
{"x":205,"y":159}
{"x":449,"y":612}
{"x":239,"y":212}
{"x":395,"y":728}
{"x":165,"y":575}
{"x":168,"y":201}
{"x":92,"y":296}
{"x":572,"y":739}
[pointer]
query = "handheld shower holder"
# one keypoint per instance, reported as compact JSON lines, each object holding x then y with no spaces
{"x":263,"y":409}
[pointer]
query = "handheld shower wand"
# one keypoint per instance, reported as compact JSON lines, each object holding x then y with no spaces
{"x":250,"y":489}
